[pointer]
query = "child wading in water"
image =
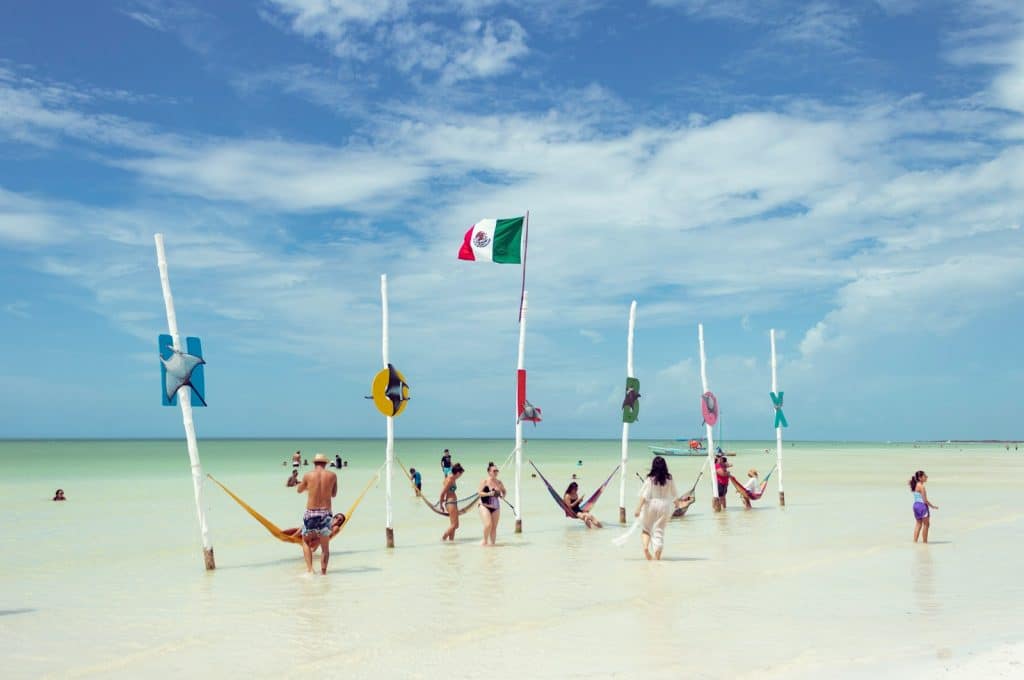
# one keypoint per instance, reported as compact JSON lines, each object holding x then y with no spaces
{"x":921,"y":505}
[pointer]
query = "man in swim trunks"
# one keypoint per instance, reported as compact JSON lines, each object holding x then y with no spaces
{"x":417,"y":480}
{"x":322,"y":485}
{"x":296,"y":459}
{"x":446,"y":463}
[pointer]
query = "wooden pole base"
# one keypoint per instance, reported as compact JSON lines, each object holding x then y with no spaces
{"x":389,"y":534}
{"x":519,"y":526}
{"x":782,"y":498}
{"x":211,"y":564}
{"x":622,"y":515}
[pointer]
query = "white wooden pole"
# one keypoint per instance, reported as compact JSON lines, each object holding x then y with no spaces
{"x":625,"y":426}
{"x":709,"y":430}
{"x":778,"y":430}
{"x":185,"y":400}
{"x":389,"y":447}
{"x":519,"y":423}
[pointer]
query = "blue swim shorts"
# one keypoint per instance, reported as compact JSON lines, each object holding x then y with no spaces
{"x":317,"y":521}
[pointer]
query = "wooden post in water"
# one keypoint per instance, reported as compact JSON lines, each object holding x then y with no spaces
{"x":778,"y":428}
{"x":389,"y":447}
{"x":185,"y":400}
{"x":625,"y":425}
{"x":520,"y":365}
{"x":709,"y":430}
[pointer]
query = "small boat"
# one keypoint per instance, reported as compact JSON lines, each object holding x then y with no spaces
{"x":673,"y":451}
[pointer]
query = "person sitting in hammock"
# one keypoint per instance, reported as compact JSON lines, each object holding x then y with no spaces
{"x":314,"y":540}
{"x":683,"y":504}
{"x":572,"y":500}
{"x":753,"y":487}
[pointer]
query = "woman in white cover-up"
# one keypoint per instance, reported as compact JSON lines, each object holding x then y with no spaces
{"x":657,"y":501}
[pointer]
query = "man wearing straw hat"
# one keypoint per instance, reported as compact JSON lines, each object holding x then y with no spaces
{"x":322,"y":485}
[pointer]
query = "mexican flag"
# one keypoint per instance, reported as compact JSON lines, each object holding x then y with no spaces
{"x":494,"y":241}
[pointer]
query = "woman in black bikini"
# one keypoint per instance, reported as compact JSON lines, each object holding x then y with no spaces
{"x":450,"y":502}
{"x":572,"y":500}
{"x":491,"y":491}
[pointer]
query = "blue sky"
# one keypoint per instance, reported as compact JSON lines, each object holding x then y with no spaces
{"x":847,"y":173}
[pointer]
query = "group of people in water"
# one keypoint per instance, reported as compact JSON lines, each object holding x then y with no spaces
{"x":659,"y":501}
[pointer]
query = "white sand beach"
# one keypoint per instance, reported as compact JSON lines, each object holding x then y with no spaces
{"x":111,"y":583}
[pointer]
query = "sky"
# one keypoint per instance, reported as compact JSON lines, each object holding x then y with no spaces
{"x":847,"y":173}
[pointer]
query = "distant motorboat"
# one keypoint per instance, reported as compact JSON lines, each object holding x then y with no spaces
{"x":675,"y":451}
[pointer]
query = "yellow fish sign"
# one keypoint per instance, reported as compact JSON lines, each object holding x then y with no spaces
{"x":389,"y":391}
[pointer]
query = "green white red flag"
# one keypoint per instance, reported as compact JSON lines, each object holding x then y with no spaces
{"x":492,"y":240}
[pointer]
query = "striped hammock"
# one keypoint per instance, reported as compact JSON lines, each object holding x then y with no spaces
{"x":746,"y":493}
{"x":585,"y":506}
{"x":464,"y":504}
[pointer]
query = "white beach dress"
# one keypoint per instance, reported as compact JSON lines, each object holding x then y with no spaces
{"x":658,"y":509}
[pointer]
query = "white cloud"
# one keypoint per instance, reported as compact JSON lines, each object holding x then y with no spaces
{"x":147,"y":20}
{"x":413,"y":38}
{"x":19,"y":308}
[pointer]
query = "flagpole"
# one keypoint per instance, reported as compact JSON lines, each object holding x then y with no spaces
{"x":625,"y":425}
{"x":709,"y":430}
{"x":389,"y":447}
{"x":519,"y":421}
{"x":185,"y":400}
{"x":778,"y":426}
{"x":522,"y":291}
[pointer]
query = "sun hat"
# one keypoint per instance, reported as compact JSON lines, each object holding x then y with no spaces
{"x":320,"y":458}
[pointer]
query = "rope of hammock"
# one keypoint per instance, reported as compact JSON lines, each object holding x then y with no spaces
{"x":276,"y":531}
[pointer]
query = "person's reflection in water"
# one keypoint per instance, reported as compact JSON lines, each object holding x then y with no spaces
{"x":928,"y":602}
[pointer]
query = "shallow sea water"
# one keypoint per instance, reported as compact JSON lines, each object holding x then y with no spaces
{"x":111,"y":583}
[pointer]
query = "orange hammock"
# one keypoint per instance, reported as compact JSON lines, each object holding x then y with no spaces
{"x":276,"y":531}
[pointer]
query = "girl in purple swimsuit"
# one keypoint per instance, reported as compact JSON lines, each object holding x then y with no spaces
{"x":922,"y":515}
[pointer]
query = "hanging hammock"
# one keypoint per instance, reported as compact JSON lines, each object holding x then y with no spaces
{"x":678,"y":512}
{"x":295,"y":537}
{"x":743,"y":491}
{"x":469,"y":501}
{"x":584,"y":507}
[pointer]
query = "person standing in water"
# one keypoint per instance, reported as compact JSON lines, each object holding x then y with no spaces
{"x":922,"y":516}
{"x":450,"y":502}
{"x":322,"y":485}
{"x":294,"y":479}
{"x":446,"y":463}
{"x":491,"y":491}
{"x":722,"y":478}
{"x":657,"y":501}
{"x":417,"y":480}
{"x":296,"y":459}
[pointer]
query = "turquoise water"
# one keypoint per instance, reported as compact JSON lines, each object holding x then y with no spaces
{"x":829,"y":582}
